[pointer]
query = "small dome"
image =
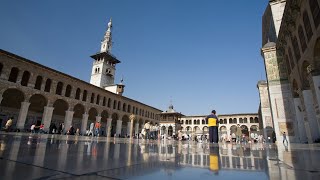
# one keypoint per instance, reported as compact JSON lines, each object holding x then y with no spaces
{"x":270,"y":44}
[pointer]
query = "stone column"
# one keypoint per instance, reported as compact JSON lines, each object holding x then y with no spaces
{"x":47,"y":116}
{"x":84,"y":123}
{"x":23,"y":115}
{"x":301,"y":127}
{"x":119,"y":126}
{"x":109,"y":121}
{"x":311,"y":115}
{"x":68,"y":120}
{"x":129,"y":129}
{"x":137,"y":128}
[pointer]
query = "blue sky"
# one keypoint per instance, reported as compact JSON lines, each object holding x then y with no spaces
{"x":202,"y":55}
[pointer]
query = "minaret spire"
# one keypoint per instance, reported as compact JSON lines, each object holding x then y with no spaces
{"x":106,"y":43}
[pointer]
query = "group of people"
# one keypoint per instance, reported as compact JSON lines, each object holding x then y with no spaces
{"x":94,"y":129}
{"x":150,"y":131}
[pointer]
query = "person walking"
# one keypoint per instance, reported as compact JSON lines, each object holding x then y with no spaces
{"x":284,"y":137}
{"x":213,"y":127}
{"x":91,"y":129}
{"x":147,"y":129}
{"x":97,"y":128}
{"x":8,"y":125}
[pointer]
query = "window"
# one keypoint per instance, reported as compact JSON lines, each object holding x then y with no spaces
{"x":25,"y":78}
{"x":245,"y":120}
{"x":234,"y":121}
{"x":119,"y":105}
{"x":307,"y":25}
{"x":84,"y":96}
{"x":302,"y":39}
{"x":124,"y":107}
{"x":98,"y":99}
{"x":292,"y":64}
{"x":59,"y":88}
{"x":68,"y":91}
{"x":48,"y":85}
{"x":256,"y":120}
{"x":38,"y":83}
{"x":240,"y":120}
{"x":203,"y":121}
{"x":104,"y":101}
{"x":109,"y":103}
{"x":198,"y":121}
{"x":92,"y":98}
{"x":194,"y":121}
{"x":78,"y":93}
{"x":114,"y":104}
{"x":251,"y":119}
{"x":296,"y":48}
{"x":230,"y":121}
{"x":314,"y":6}
{"x":13,"y":75}
{"x":129,"y":109}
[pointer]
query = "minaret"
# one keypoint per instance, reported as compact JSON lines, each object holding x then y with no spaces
{"x":104,"y":64}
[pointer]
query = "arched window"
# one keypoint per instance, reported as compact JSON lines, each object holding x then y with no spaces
{"x":240,"y":120}
{"x":25,"y":78}
{"x":109,"y":102}
{"x":225,"y":121}
{"x":119,"y":105}
{"x":302,"y":38}
{"x":256,"y":120}
{"x":1,"y":66}
{"x":133,"y":110}
{"x":92,"y":98}
{"x":307,"y":25}
{"x":48,"y":85}
{"x":203,"y":121}
{"x":84,"y":96}
{"x":230,"y":120}
{"x":68,"y":90}
{"x":315,"y":10}
{"x":206,"y":121}
{"x":245,"y":120}
{"x":194,"y":121}
{"x":38,"y":83}
{"x":251,"y":119}
{"x":98,"y":99}
{"x":13,"y":74}
{"x":198,"y":121}
{"x":59,"y":88}
{"x":78,"y":93}
{"x":182,"y":121}
{"x":129,"y":108}
{"x":296,"y":49}
{"x":220,"y":121}
{"x":114,"y":104}
{"x":187,"y":122}
{"x":234,"y":121}
{"x":124,"y":107}
{"x":104,"y":101}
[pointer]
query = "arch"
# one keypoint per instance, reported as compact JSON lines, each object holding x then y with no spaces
{"x":223,"y":128}
{"x":256,"y":120}
{"x":104,"y":121}
{"x":194,"y":121}
{"x":307,"y":25}
{"x":198,"y":121}
{"x":104,"y":116}
{"x":25,"y":78}
{"x":230,"y":120}
{"x":190,"y":122}
{"x":315,"y":11}
{"x":124,"y":127}
{"x":295,"y":89}
{"x":225,"y":121}
{"x":59,"y":111}
{"x":234,"y":121}
{"x":79,"y":110}
{"x":13,"y":74}
{"x":170,"y":131}
{"x":84,"y":96}
{"x":92,"y":98}
{"x":104,"y":101}
{"x":316,"y":55}
{"x":304,"y":75}
{"x":221,"y":121}
{"x":187,"y":122}
{"x":12,"y":98}
{"x":196,"y":129}
{"x":78,"y":91}
{"x":68,"y":91}
{"x":254,"y":128}
{"x":244,"y":130}
{"x":233,"y":129}
{"x":38,"y":83}
{"x":59,"y":88}
{"x":163,"y":130}
{"x":93,"y":113}
{"x":98,"y":99}
{"x":48,"y":85}
{"x":251,"y":119}
{"x":245,"y":120}
{"x":113,"y":130}
{"x":205,"y":129}
{"x":36,"y":109}
{"x":203,"y":121}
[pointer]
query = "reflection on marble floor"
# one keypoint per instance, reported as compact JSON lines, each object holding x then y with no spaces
{"x":26,"y":156}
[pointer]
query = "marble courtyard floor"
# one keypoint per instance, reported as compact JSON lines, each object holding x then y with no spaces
{"x":34,"y":156}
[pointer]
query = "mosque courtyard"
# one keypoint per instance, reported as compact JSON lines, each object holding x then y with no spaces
{"x":44,"y":156}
